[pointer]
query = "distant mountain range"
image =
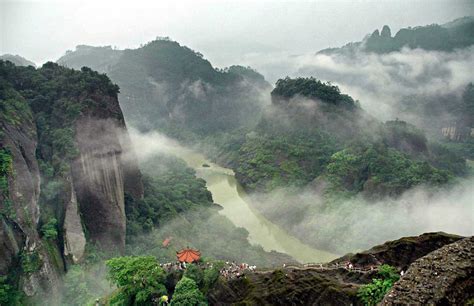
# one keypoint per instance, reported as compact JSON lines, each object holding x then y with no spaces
{"x":17,"y":60}
{"x":456,"y":34}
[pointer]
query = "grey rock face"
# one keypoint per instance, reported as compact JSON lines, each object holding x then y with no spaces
{"x":443,"y":277}
{"x":74,"y":237}
{"x":99,"y":181}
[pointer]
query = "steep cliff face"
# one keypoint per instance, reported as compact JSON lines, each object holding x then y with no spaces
{"x":66,"y":164}
{"x":19,"y":208}
{"x":99,"y":182}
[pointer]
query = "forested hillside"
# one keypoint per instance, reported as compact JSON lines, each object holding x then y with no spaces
{"x":312,"y":131}
{"x":171,"y":87}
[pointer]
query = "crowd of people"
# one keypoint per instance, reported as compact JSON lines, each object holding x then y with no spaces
{"x":230,"y":270}
{"x":173,"y":266}
{"x":233,"y":270}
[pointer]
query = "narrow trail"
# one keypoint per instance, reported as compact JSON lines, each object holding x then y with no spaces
{"x":320,"y":267}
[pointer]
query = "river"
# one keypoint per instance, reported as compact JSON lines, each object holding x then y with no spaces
{"x":228,"y":193}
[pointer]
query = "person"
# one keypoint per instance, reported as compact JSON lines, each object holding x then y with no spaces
{"x":350,"y":265}
{"x":401,"y":273}
{"x":164,"y":300}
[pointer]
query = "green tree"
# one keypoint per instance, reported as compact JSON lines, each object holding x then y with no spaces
{"x":9,"y":295}
{"x":195,"y":273}
{"x":187,"y":293}
{"x":139,"y":279}
{"x":373,"y":293}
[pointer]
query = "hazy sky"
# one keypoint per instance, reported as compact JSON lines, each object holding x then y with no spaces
{"x":224,"y":31}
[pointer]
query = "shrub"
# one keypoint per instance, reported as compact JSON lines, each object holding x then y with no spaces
{"x":187,"y":294}
{"x":49,"y":230}
{"x":373,"y":293}
{"x":9,"y":295}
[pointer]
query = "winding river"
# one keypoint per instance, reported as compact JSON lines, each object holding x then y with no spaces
{"x":227,"y":192}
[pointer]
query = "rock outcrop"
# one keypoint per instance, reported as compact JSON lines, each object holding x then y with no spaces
{"x":443,"y":277}
{"x":402,"y":252}
{"x":99,"y":182}
{"x":336,"y":284}
{"x":283,"y":287}
{"x":74,"y":236}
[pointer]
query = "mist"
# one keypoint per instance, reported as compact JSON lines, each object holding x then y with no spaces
{"x":382,"y":82}
{"x":357,"y":224}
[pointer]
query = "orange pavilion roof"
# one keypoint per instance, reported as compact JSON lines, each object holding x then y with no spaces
{"x":188,"y":255}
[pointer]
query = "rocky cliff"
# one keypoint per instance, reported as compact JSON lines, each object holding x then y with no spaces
{"x":443,"y":277}
{"x":66,"y":164}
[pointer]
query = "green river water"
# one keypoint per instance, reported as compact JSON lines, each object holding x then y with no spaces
{"x":228,"y":193}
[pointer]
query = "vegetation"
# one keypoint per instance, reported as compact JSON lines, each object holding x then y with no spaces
{"x":380,"y":170}
{"x":140,"y":280}
{"x":6,"y":168}
{"x":9,"y":294}
{"x":30,"y":261}
{"x":171,"y":188}
{"x":187,"y":293}
{"x":50,"y":230}
{"x":82,"y":285}
{"x":313,"y":89}
{"x":373,"y":293}
{"x":271,"y":161}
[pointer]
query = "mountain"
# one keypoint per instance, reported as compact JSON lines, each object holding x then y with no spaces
{"x":313,"y":132}
{"x":447,"y":37}
{"x":171,"y":87}
{"x":17,"y":60}
{"x":66,"y":164}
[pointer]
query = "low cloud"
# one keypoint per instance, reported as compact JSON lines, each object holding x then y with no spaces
{"x":358,"y":224}
{"x":379,"y":81}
